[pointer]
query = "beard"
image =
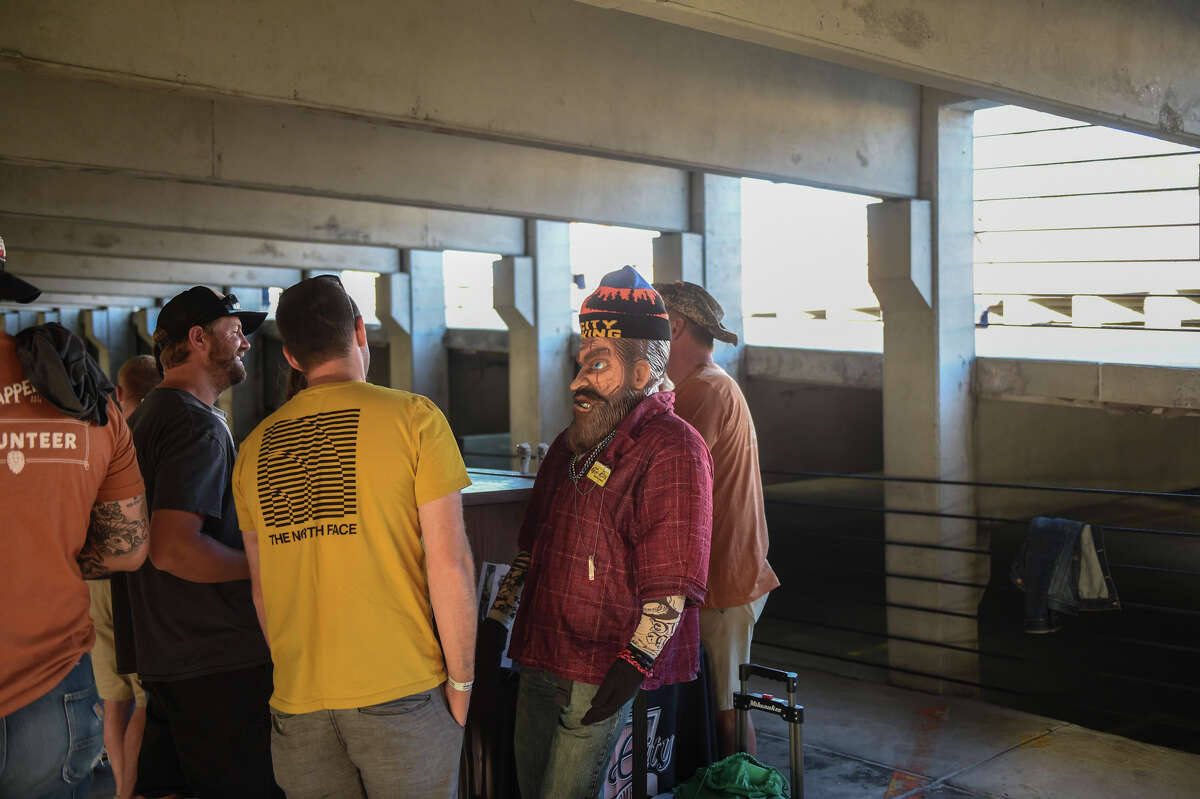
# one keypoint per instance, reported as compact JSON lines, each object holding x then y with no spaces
{"x":589,"y":429}
{"x":227,"y":370}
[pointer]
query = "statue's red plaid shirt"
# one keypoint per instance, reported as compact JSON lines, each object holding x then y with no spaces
{"x":647,"y":530}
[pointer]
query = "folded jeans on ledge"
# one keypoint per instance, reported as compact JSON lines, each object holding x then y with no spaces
{"x":1062,"y":567}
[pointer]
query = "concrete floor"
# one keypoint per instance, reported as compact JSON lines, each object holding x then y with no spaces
{"x":866,"y":739}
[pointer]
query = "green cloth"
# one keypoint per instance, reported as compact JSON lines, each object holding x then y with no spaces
{"x":738,"y":775}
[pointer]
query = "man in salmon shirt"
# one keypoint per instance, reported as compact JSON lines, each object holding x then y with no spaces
{"x":710,"y":400}
{"x":74,"y":508}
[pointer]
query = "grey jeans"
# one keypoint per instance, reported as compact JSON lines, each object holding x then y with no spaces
{"x":406,"y":747}
{"x":557,"y":756}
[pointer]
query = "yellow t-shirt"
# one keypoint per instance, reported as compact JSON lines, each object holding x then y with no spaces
{"x":331,"y":483}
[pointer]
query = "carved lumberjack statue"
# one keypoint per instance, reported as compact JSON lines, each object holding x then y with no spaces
{"x":614,"y":551}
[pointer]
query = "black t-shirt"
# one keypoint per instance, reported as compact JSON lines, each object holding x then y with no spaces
{"x":183,"y":629}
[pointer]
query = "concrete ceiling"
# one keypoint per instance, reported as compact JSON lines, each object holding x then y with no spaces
{"x":547,"y":73}
{"x":1126,"y":64}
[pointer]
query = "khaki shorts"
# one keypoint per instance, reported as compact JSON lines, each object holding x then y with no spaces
{"x":726,"y":634}
{"x":113,"y":687}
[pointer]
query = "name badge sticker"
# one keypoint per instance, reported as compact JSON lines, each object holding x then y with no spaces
{"x":599,"y":473}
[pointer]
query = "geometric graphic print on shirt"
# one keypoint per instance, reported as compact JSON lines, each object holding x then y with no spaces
{"x":306,"y":469}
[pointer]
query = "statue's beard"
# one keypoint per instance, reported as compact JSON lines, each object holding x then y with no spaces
{"x":588,"y":429}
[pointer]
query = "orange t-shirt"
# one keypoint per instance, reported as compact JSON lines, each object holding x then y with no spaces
{"x":53,"y":469}
{"x":738,"y":572}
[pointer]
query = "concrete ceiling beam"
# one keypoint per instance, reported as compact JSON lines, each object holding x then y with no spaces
{"x":38,"y":266}
{"x":127,"y":288}
{"x":280,"y":147}
{"x":190,"y":207}
{"x":57,"y":300}
{"x":547,"y":73}
{"x":1126,"y":65}
{"x":34,"y":234}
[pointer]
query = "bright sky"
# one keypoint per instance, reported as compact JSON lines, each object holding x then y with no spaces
{"x":803,"y":249}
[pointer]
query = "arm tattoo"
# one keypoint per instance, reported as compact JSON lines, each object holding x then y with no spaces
{"x":116,"y":528}
{"x":660,"y":617}
{"x":508,"y":595}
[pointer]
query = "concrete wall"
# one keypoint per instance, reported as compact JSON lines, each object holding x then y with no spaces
{"x":478,"y":392}
{"x":815,"y":428}
{"x":811,"y":427}
{"x":1019,"y":442}
{"x":806,"y":427}
{"x":839,"y":428}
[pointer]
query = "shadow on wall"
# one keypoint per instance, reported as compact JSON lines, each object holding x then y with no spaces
{"x":1020,"y":442}
{"x":815,"y":428}
{"x":478,"y":393}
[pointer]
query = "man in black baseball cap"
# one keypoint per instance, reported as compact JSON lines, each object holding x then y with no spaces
{"x":195,"y":642}
{"x":199,"y":306}
{"x":12,"y":287}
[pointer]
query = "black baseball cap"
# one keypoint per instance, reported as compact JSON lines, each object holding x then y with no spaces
{"x":13,"y":287}
{"x":200,"y":305}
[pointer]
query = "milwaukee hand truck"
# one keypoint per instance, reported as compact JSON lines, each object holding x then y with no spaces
{"x":789,"y":711}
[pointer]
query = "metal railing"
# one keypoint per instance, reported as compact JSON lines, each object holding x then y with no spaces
{"x":1155,"y":615}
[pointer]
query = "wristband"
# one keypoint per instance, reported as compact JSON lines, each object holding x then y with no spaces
{"x":459,"y":686}
{"x":632,"y":659}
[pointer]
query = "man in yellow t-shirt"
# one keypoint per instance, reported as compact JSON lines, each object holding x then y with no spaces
{"x":349,"y":501}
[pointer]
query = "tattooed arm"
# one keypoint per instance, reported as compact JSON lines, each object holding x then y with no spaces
{"x":659,"y":619}
{"x":116,"y":538}
{"x":508,"y":595}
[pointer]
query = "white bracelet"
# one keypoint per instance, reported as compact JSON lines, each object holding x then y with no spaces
{"x":459,"y":686}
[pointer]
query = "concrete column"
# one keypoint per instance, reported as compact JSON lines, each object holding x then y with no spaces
{"x":679,"y":256}
{"x":95,"y":333}
{"x":121,"y":343}
{"x":711,"y":254}
{"x":533,"y":296}
{"x":716,"y":206}
{"x":70,"y":319}
{"x":144,"y":322}
{"x":411,"y":306}
{"x":110,"y":332}
{"x":920,"y":265}
{"x":27,"y":319}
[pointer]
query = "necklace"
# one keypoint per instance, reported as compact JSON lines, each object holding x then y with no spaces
{"x":589,"y":460}
{"x":575,"y":476}
{"x":591,"y":561}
